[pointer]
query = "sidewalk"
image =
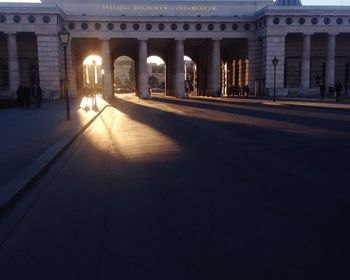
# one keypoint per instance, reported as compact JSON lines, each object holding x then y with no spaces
{"x":327,"y":103}
{"x":32,"y":138}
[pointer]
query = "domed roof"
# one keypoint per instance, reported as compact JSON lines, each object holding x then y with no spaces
{"x":288,"y":3}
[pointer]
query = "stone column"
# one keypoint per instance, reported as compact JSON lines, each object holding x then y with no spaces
{"x":179,"y":69}
{"x":73,"y":90}
{"x":50,"y":64}
{"x":253,"y":59}
{"x":169,"y":71}
{"x":142,"y":73}
{"x":274,"y":46}
{"x":330,"y":60}
{"x":14,"y":78}
{"x":107,"y":68}
{"x":214,"y":75}
{"x":305,"y":63}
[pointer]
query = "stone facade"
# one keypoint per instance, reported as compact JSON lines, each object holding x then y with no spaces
{"x":240,"y":37}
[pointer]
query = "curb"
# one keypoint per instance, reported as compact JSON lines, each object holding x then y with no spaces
{"x":282,"y":103}
{"x":316,"y":107}
{"x":12,"y":189}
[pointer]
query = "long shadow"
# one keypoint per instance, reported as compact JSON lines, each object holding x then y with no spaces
{"x":266,"y":112}
{"x":235,"y":132}
{"x":288,"y":186}
{"x":221,"y":211}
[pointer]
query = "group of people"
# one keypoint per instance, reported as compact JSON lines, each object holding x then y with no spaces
{"x":335,"y":90}
{"x":29,"y":95}
{"x":237,"y":90}
{"x":89,"y":98}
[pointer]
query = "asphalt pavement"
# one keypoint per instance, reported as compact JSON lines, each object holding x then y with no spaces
{"x":187,"y":189}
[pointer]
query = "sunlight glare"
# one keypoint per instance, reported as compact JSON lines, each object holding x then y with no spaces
{"x":91,"y":58}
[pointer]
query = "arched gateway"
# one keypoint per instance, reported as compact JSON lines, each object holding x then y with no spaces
{"x":231,"y":43}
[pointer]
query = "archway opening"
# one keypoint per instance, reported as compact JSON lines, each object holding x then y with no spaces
{"x":92,"y":81}
{"x":235,"y":77}
{"x":156,"y":74}
{"x":190,"y":76}
{"x":124,"y":75}
{"x":92,"y":74}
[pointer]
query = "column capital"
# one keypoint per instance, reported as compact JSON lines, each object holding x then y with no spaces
{"x":104,"y":37}
{"x":331,"y":34}
{"x":143,"y":39}
{"x":274,"y":36}
{"x":308,"y":34}
{"x":252,"y":39}
{"x":217,"y":39}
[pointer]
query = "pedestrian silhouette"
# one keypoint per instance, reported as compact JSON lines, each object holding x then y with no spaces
{"x":331,"y":90}
{"x":338,"y":88}
{"x":346,"y":89}
{"x":37,"y":95}
{"x":246,"y":90}
{"x":27,"y":99}
{"x":20,"y":96}
{"x":322,"y":90}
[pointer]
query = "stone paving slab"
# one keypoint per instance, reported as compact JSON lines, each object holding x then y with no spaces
{"x":33,"y":138}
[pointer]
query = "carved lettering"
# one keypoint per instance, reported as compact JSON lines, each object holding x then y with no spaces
{"x":158,"y":7}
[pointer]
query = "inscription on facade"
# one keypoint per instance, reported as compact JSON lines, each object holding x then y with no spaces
{"x":159,"y":7}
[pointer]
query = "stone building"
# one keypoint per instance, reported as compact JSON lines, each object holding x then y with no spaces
{"x":231,"y":42}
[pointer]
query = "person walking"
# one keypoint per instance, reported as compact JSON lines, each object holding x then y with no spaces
{"x":331,"y":90}
{"x":338,"y":88}
{"x":27,"y":98}
{"x":246,"y":90}
{"x":37,"y":95}
{"x":20,"y":96}
{"x":346,"y":89}
{"x":322,"y":90}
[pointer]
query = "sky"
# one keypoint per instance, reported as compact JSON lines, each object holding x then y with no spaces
{"x":305,"y":2}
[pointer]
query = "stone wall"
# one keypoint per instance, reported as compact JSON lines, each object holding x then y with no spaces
{"x":342,"y":60}
{"x":293,"y":52}
{"x":253,"y":57}
{"x":50,"y":66}
{"x":27,"y":58}
{"x":4,"y":83}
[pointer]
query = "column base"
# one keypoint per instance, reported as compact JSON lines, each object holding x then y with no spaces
{"x":303,"y":92}
{"x":51,"y":94}
{"x":279,"y":92}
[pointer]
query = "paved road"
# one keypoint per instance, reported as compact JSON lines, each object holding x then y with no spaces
{"x":189,"y":189}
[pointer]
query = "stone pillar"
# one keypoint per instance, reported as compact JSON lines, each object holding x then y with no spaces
{"x":107,"y":68}
{"x":179,"y":69}
{"x":253,"y":59}
{"x":50,"y":64}
{"x":13,"y":66}
{"x":305,"y":63}
{"x":330,"y":61}
{"x":170,"y":70}
{"x":142,"y":73}
{"x":73,"y":90}
{"x":214,"y":73}
{"x":274,"y":46}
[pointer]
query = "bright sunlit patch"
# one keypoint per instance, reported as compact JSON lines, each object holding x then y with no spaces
{"x":90,"y":102}
{"x":127,"y":139}
{"x":92,"y":59}
{"x":155,"y":59}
